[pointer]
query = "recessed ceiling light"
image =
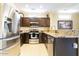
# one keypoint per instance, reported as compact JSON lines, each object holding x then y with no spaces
{"x":26,"y":6}
{"x":34,"y":10}
{"x":41,"y":7}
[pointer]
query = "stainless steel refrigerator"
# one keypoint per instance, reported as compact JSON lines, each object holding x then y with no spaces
{"x":10,"y":37}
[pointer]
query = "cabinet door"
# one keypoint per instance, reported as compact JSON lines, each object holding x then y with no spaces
{"x":44,"y":38}
{"x":47,"y":22}
{"x":41,"y":37}
{"x":42,"y":22}
{"x":22,"y":39}
{"x":25,"y":22}
{"x":64,"y":47}
{"x":27,"y":38}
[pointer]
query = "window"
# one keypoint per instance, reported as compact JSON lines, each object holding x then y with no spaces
{"x":65,"y":24}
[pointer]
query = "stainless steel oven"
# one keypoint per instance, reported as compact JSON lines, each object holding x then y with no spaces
{"x":33,"y":37}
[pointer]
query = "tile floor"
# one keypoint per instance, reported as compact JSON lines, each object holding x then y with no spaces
{"x":33,"y":50}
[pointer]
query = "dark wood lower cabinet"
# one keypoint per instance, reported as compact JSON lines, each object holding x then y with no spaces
{"x":21,"y":39}
{"x":65,"y":47}
{"x":43,"y":38}
{"x":24,"y":38}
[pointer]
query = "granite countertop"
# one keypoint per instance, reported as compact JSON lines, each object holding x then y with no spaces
{"x":60,"y":35}
{"x":27,"y":29}
{"x":68,"y":33}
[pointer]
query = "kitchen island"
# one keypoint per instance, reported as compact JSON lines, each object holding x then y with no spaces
{"x":62,"y":45}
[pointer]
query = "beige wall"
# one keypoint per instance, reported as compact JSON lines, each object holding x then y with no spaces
{"x":27,"y":14}
{"x":75,"y":18}
{"x":0,"y":29}
{"x":53,"y":20}
{"x":1,"y":17}
{"x":1,"y":24}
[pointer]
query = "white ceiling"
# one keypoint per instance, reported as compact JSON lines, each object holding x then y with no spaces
{"x":48,"y":6}
{"x":33,"y":8}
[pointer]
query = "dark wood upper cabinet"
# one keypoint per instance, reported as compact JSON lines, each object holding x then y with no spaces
{"x":44,"y":22}
{"x":48,"y":22}
{"x":26,"y":22}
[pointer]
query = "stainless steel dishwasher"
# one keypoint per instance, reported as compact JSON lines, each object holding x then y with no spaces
{"x":50,"y":45}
